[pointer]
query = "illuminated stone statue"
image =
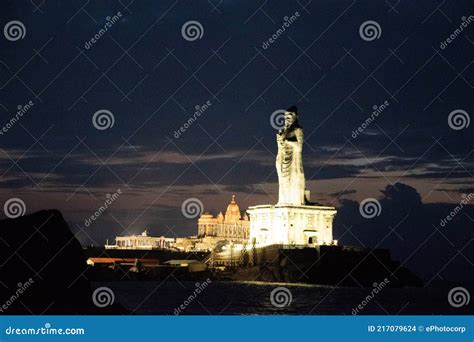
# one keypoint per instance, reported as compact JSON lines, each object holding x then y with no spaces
{"x":295,"y":220}
{"x":289,"y":161}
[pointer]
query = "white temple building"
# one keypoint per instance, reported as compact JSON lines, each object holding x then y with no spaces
{"x":294,"y":220}
{"x":230,"y":226}
{"x":142,"y":241}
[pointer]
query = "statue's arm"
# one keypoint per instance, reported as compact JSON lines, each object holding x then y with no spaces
{"x":299,"y":137}
{"x":280,"y":140}
{"x":280,"y":143}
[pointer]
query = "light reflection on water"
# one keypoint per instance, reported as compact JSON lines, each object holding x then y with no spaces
{"x":253,"y":298}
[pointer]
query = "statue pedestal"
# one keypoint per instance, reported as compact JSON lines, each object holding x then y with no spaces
{"x":305,"y":225}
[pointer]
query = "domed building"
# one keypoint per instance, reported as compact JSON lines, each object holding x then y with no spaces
{"x":231,"y":226}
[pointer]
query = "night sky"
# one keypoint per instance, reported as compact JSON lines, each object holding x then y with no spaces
{"x":414,"y":158}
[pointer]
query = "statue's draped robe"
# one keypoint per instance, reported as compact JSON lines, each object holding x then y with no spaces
{"x":289,"y":164}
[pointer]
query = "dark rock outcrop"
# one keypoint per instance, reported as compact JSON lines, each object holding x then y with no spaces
{"x":42,"y":268}
{"x":327,"y":265}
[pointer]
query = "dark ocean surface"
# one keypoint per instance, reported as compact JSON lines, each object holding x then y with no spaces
{"x":254,"y":298}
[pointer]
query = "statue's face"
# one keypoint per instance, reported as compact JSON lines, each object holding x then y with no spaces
{"x":290,"y":118}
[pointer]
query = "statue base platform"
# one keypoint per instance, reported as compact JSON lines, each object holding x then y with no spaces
{"x":305,"y":225}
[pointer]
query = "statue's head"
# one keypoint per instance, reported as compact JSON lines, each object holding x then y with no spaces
{"x":291,"y":117}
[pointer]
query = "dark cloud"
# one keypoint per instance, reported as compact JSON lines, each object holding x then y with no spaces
{"x":246,"y":189}
{"x":414,"y":232}
{"x":342,"y":193}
